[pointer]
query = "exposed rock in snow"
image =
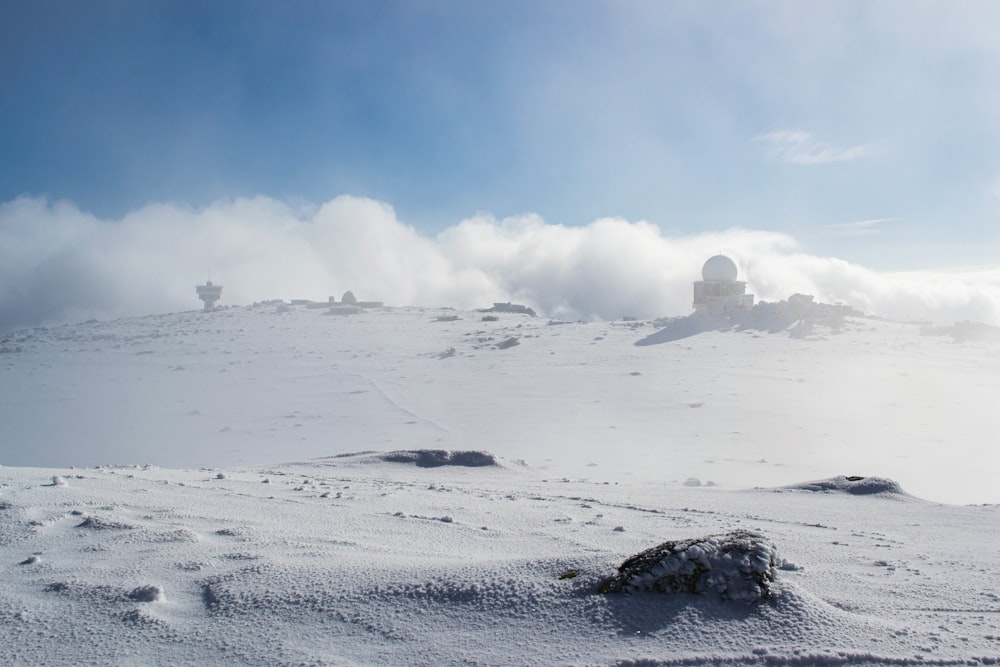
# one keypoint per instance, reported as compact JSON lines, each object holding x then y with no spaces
{"x":150,"y":593}
{"x":740,"y":565}
{"x":510,"y":308}
{"x":432,"y":458}
{"x":427,"y":458}
{"x":853,"y":484}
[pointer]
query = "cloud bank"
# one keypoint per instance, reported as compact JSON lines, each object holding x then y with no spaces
{"x":60,"y":264}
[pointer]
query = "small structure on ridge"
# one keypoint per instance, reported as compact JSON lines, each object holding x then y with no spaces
{"x":209,"y":293}
{"x":719,"y":292}
{"x":349,"y":305}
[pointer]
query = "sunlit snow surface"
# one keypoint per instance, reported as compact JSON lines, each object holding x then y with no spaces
{"x":249,"y":540}
{"x":741,"y":409}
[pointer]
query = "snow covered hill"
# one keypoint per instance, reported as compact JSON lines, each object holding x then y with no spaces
{"x":743,"y":408}
{"x":275,"y":485}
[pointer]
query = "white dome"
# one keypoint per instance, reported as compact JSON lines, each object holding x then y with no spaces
{"x":719,"y":268}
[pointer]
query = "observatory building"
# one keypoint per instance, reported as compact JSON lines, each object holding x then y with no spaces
{"x":209,"y":293}
{"x":719,"y":292}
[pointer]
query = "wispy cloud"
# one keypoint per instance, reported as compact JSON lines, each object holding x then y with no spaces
{"x":803,"y":148}
{"x":859,"y":227}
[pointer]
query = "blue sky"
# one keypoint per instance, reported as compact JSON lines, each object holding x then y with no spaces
{"x":865,"y":130}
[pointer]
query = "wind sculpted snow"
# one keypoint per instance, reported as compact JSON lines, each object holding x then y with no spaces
{"x":365,"y":562}
{"x":495,"y":490}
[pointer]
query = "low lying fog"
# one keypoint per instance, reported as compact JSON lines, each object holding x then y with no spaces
{"x":59,"y":264}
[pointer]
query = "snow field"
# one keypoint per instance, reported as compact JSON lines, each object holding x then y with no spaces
{"x":349,"y":561}
{"x":240,"y":495}
{"x":737,"y":408}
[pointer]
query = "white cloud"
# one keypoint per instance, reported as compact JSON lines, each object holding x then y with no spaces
{"x":859,"y":227}
{"x":799,"y":147}
{"x":59,"y":264}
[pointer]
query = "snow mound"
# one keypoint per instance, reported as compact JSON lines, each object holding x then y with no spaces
{"x":855,"y":485}
{"x":100,"y":523}
{"x":429,"y":458}
{"x":739,"y":565}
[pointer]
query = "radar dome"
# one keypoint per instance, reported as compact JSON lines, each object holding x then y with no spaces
{"x":719,"y":268}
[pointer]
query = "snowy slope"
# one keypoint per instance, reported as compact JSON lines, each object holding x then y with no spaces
{"x":741,"y":409}
{"x":219,"y":512}
{"x":341,"y":561}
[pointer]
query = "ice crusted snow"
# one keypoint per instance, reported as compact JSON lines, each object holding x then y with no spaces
{"x":268,"y":486}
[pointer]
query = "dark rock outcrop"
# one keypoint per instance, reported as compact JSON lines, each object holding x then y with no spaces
{"x":740,"y":565}
{"x":433,"y":458}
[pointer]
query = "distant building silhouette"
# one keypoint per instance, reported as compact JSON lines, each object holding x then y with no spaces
{"x":209,"y":293}
{"x":349,"y":305}
{"x":719,"y":292}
